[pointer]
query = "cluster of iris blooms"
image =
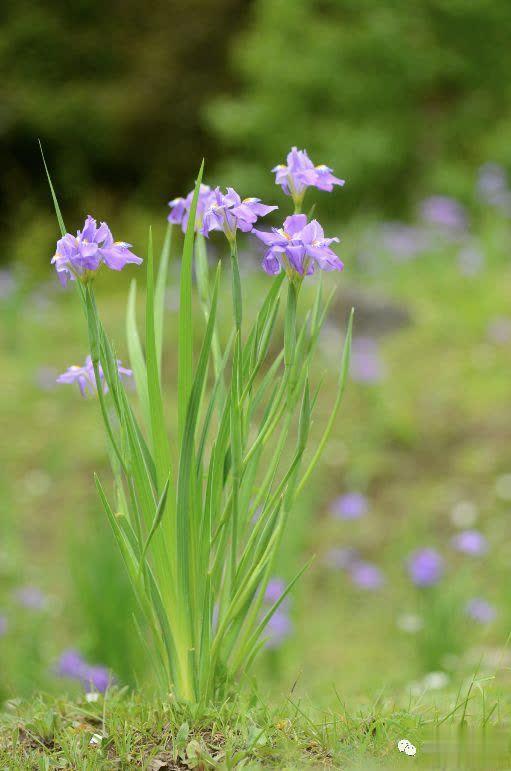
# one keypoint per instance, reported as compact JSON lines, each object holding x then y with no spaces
{"x":298,"y":246}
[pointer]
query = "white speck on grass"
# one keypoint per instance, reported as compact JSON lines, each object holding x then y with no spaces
{"x":91,"y":698}
{"x":407,"y":747}
{"x":96,"y":740}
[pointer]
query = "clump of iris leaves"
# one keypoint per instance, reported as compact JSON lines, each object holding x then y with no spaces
{"x":199,"y":517}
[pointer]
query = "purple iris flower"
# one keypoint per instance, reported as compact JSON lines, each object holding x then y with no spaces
{"x":85,"y":376}
{"x":365,"y":575}
{"x":366,"y":365}
{"x":300,"y":173}
{"x":298,"y":246}
{"x":470,"y":542}
{"x":425,"y":567}
{"x":31,"y":597}
{"x":79,"y":256}
{"x":71,"y":664}
{"x":228,"y":213}
{"x":349,"y":506}
{"x":4,"y":625}
{"x":444,"y":212}
{"x":480,"y":610}
{"x":180,"y":208}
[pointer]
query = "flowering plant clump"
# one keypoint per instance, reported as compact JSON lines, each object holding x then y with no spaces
{"x":200,"y":515}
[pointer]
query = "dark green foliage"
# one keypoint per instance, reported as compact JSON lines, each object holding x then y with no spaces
{"x":113,"y":90}
{"x":395,"y":96}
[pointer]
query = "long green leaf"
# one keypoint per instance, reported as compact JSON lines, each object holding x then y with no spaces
{"x":136,"y":355}
{"x":185,"y":334}
{"x":159,"y":293}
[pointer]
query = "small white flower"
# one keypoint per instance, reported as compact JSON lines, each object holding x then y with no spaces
{"x":91,"y":698}
{"x":96,"y":740}
{"x":407,"y":747}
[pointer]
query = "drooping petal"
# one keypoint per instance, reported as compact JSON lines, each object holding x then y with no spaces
{"x":117,"y":256}
{"x":269,"y":238}
{"x":271,"y":263}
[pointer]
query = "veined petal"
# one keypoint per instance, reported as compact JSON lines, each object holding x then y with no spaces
{"x":295,"y":223}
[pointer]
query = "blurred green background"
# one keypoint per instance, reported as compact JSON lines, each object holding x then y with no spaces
{"x":406,"y":100}
{"x":400,"y":97}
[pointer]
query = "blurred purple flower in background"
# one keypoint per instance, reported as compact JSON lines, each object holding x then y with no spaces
{"x":403,"y":241}
{"x":4,"y":625}
{"x":499,"y":330}
{"x":76,"y":256}
{"x":31,"y":597}
{"x":341,"y":558}
{"x":279,"y":627}
{"x":300,"y":173}
{"x":470,"y":542}
{"x":180,"y":208}
{"x":365,"y":575}
{"x":470,"y":260}
{"x":298,"y":245}
{"x":492,"y":186}
{"x":274,"y":590}
{"x":349,"y":506}
{"x":228,"y":213}
{"x":72,"y":665}
{"x":425,"y":567}
{"x":444,"y":212}
{"x":85,"y":378}
{"x":8,"y":284}
{"x":46,"y":377}
{"x":366,"y":365}
{"x":480,"y":610}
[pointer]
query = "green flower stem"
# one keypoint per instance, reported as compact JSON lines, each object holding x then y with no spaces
{"x":237,"y":299}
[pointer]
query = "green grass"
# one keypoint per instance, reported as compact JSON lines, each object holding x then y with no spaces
{"x":137,"y":732}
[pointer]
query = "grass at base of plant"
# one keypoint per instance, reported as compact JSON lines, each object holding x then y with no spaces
{"x":133,"y":731}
